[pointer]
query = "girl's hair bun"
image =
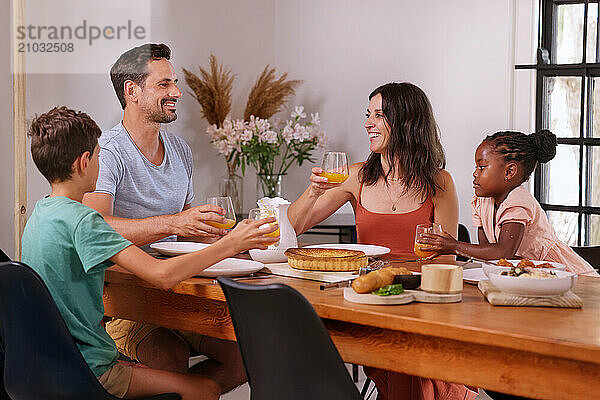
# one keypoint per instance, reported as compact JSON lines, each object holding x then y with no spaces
{"x":544,"y":143}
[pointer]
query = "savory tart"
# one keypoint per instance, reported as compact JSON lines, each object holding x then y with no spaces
{"x":336,"y":260}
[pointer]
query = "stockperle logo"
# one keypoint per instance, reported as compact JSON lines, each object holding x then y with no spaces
{"x":80,"y":37}
{"x":84,"y":32}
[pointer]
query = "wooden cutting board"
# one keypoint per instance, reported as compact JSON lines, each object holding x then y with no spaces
{"x":495,"y":297}
{"x":407,"y":297}
{"x":284,"y":269}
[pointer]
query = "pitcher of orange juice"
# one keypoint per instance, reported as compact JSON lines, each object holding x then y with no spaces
{"x":287,"y":234}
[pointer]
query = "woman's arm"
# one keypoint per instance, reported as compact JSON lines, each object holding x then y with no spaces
{"x":445,"y":204}
{"x":321,"y":199}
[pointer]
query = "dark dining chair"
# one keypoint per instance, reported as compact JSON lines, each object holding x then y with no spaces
{"x":41,"y":360}
{"x":590,"y":254}
{"x":3,"y":256}
{"x":286,"y":349}
{"x":463,"y":236}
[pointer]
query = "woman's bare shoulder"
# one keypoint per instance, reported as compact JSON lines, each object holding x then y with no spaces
{"x":444,"y":180}
{"x":353,"y":183}
{"x":355,"y":168}
{"x":446,"y":188}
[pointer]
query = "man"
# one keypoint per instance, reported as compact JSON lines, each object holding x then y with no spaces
{"x":144,"y":191}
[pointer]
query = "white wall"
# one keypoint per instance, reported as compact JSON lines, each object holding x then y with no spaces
{"x":460,"y":53}
{"x":456,"y":51}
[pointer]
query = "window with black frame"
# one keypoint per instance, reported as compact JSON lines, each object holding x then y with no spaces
{"x":568,"y":103}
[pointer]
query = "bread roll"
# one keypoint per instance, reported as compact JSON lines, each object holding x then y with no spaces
{"x":377,"y":279}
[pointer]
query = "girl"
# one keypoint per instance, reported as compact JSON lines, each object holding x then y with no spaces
{"x":511,"y":223}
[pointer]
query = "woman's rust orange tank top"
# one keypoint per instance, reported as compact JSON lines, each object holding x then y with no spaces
{"x":396,"y":231}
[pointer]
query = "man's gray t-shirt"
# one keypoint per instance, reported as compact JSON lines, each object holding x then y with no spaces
{"x":139,"y":188}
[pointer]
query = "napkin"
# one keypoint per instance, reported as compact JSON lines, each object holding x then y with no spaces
{"x":268,"y":206}
{"x":497,"y":298}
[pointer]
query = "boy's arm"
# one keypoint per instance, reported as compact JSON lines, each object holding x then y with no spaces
{"x":188,"y":223}
{"x":167,"y":273}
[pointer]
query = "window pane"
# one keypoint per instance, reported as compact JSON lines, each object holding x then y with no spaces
{"x":593,"y":175}
{"x":561,"y":177}
{"x":595,"y":82}
{"x":592,"y":32}
{"x":565,"y":225}
{"x":594,"y":230}
{"x":569,"y":33}
{"x":563,"y":94}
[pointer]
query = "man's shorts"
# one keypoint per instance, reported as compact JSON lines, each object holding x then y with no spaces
{"x":128,"y":335}
{"x":117,"y":379}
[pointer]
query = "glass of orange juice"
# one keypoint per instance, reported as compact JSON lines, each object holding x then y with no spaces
{"x":256,"y":214}
{"x":420,"y":248}
{"x":226,"y":204}
{"x":335,"y":166}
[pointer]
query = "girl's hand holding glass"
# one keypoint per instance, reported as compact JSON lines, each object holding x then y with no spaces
{"x":423,"y":249}
{"x":226,"y":204}
{"x":438,"y":242}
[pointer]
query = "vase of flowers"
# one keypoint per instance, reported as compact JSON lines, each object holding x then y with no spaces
{"x":270,"y":148}
{"x":233,"y":186}
{"x":268,"y":185}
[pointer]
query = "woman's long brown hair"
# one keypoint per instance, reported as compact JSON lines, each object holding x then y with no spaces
{"x":413,"y":150}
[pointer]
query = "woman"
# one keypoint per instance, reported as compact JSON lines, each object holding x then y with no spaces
{"x":401,"y":184}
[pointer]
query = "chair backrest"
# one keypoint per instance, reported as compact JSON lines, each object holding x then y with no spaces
{"x":3,"y":256}
{"x":41,"y":358}
{"x":286,"y":349}
{"x":463,"y":236}
{"x":590,"y":254}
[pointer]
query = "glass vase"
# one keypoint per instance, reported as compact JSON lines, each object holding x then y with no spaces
{"x":268,"y":185}
{"x":233,"y":186}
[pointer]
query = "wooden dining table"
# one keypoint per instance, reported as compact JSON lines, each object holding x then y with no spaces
{"x":538,"y":352}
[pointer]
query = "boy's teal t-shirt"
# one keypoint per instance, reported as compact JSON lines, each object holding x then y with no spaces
{"x":69,"y":246}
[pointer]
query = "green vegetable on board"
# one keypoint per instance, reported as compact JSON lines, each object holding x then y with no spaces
{"x":389,"y":290}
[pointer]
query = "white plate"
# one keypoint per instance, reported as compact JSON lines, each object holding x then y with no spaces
{"x":177,"y":248}
{"x":534,"y":287}
{"x":232,"y":267}
{"x":473,"y":275}
{"x":370,"y":249}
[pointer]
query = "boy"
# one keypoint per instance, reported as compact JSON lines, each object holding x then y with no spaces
{"x":70,"y":245}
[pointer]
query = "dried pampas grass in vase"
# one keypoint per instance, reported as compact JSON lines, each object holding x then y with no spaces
{"x":212,"y":90}
{"x":269,"y":94}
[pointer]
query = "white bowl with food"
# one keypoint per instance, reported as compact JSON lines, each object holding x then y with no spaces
{"x":535,"y":283}
{"x":545,"y":265}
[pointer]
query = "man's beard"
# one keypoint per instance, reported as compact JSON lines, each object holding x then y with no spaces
{"x":160,"y":116}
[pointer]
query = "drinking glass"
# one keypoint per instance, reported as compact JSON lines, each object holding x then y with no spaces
{"x":256,"y":214}
{"x":335,"y":166}
{"x":226,"y":204}
{"x":420,"y":248}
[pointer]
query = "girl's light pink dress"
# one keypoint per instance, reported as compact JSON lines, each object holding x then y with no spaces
{"x":539,"y":239}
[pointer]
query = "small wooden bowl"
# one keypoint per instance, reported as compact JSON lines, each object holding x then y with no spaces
{"x":441,"y":278}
